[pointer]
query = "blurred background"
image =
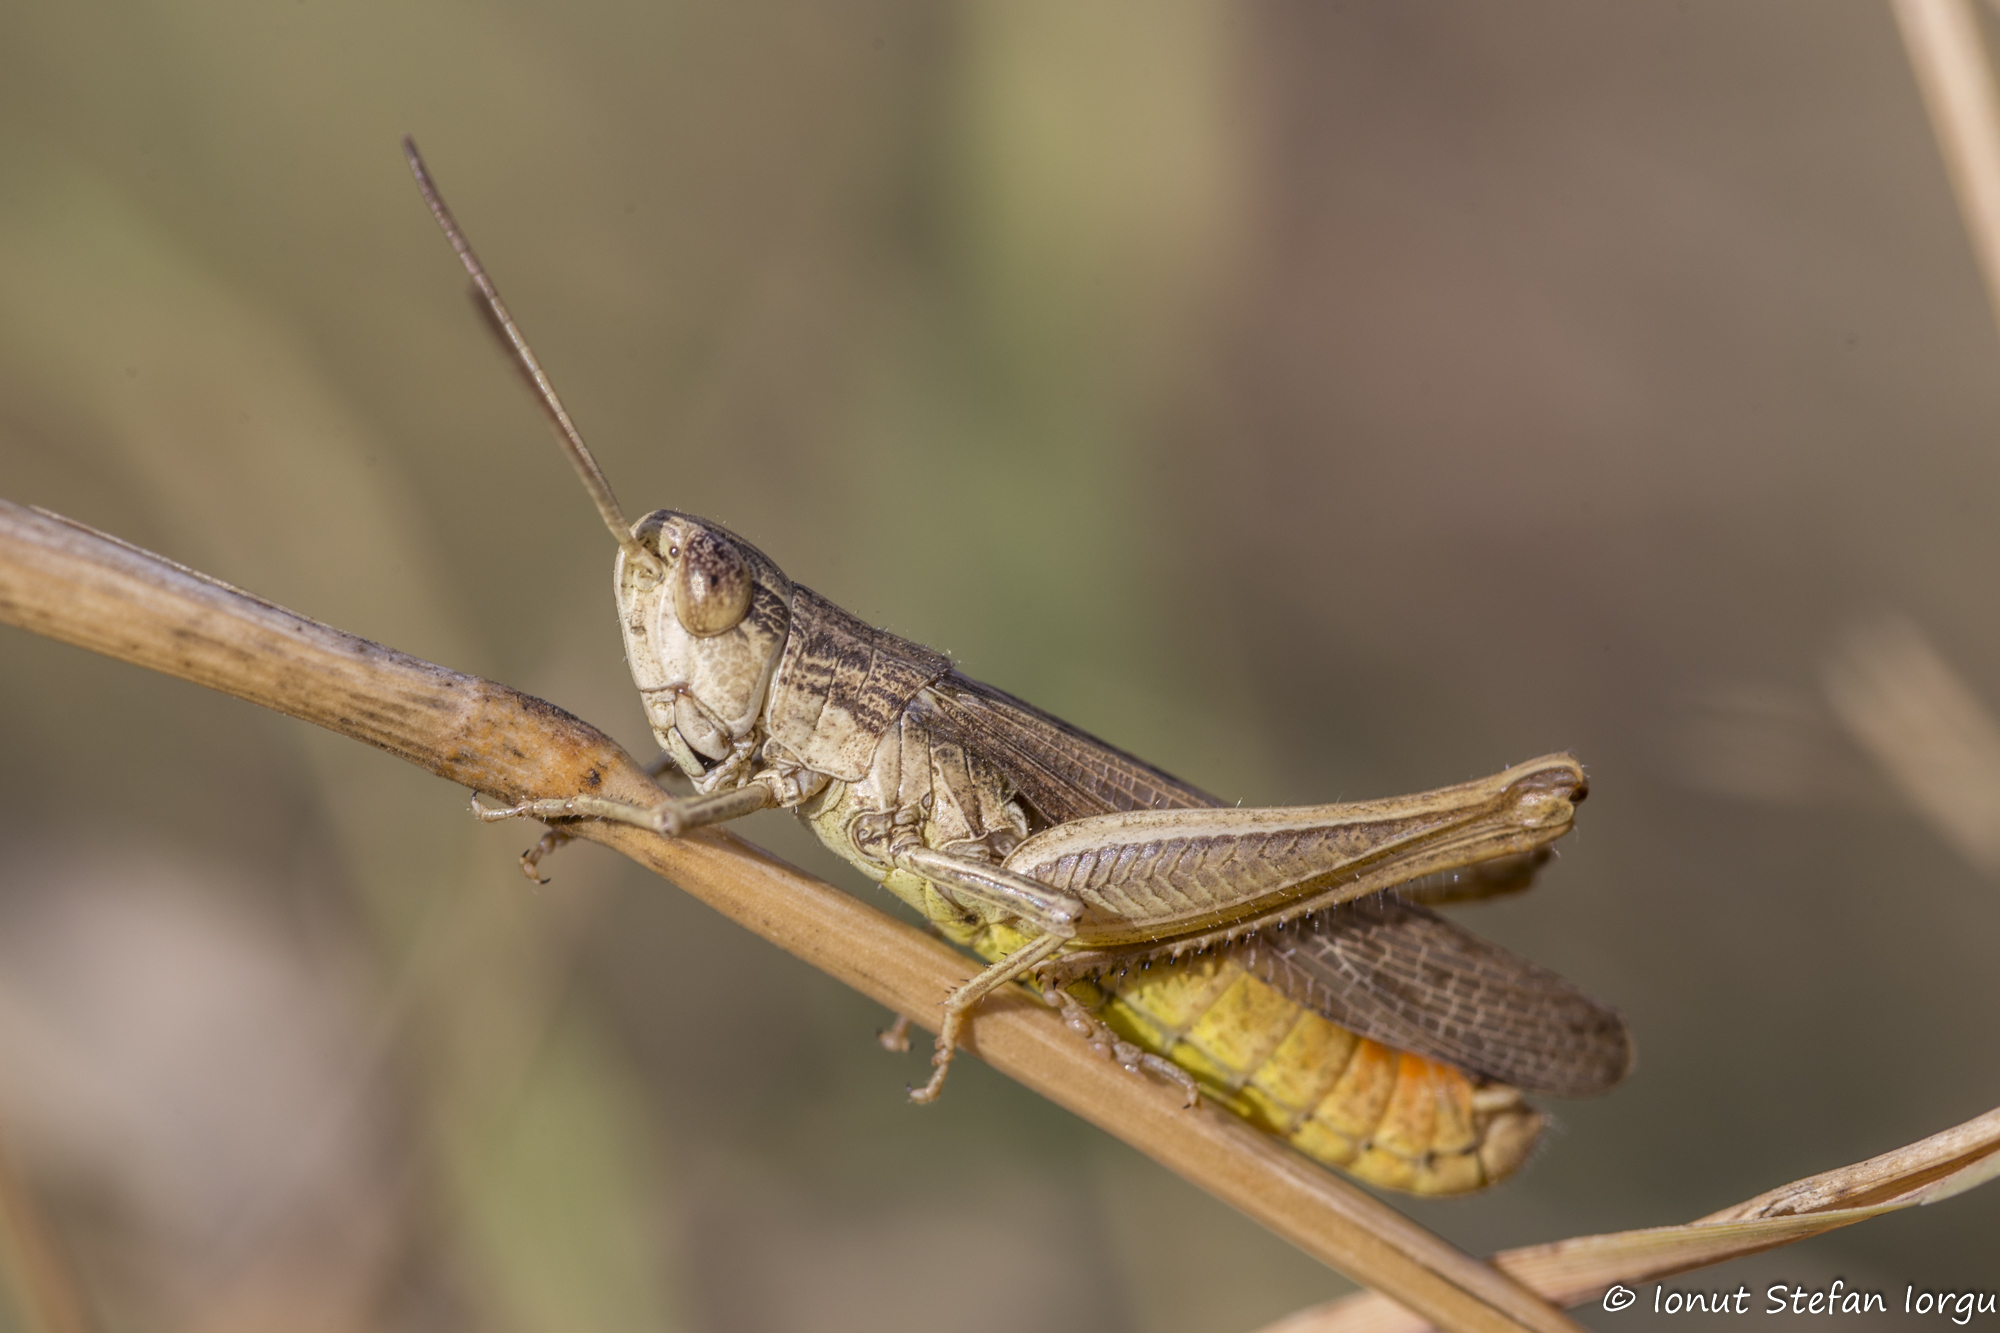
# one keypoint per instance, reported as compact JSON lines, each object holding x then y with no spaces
{"x":1321,"y":400}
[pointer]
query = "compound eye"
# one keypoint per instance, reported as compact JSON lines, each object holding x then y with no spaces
{"x":712,"y":584}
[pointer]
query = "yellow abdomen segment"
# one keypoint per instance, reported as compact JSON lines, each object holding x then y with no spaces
{"x":1386,"y":1116}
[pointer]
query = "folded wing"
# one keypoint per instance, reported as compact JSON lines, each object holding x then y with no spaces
{"x":1404,"y":976}
{"x":1062,"y":773}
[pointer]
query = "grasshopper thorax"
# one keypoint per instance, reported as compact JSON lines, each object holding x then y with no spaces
{"x":705,"y":620}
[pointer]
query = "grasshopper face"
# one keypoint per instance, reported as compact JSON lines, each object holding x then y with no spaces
{"x":704,"y":629}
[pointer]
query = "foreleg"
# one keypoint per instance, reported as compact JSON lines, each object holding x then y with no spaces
{"x":673,"y":815}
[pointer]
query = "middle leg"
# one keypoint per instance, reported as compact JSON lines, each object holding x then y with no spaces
{"x":1049,"y":912}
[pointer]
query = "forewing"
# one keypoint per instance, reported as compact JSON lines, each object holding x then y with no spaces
{"x":1154,"y":874}
{"x":1404,"y":976}
{"x":1062,"y":772}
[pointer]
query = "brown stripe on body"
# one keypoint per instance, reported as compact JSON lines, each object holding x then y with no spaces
{"x":841,"y":684}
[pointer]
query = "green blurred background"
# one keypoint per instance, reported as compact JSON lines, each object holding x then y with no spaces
{"x":1324,"y":401}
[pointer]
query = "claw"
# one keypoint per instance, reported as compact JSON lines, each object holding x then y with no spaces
{"x":947,"y":1046}
{"x":896,"y":1037}
{"x":531,"y":860}
{"x":928,"y":1093}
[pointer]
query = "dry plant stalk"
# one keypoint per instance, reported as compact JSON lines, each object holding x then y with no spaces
{"x":66,"y":581}
{"x":1570,"y":1272}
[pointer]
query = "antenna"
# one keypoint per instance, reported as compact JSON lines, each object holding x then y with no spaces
{"x":524,"y":359}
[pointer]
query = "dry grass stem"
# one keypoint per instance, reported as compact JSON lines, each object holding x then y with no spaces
{"x":1570,"y":1272}
{"x":68,"y":582}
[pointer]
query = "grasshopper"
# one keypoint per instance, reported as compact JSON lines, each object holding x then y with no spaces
{"x":1280,"y":960}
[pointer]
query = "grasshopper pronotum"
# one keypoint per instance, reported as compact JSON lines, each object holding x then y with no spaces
{"x":1279,"y":960}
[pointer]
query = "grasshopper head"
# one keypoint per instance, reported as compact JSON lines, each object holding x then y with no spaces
{"x":704,"y":612}
{"x":704,"y":615}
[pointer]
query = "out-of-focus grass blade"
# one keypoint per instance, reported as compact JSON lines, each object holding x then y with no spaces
{"x":1930,"y":732}
{"x":1571,"y":1272}
{"x":1949,"y":58}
